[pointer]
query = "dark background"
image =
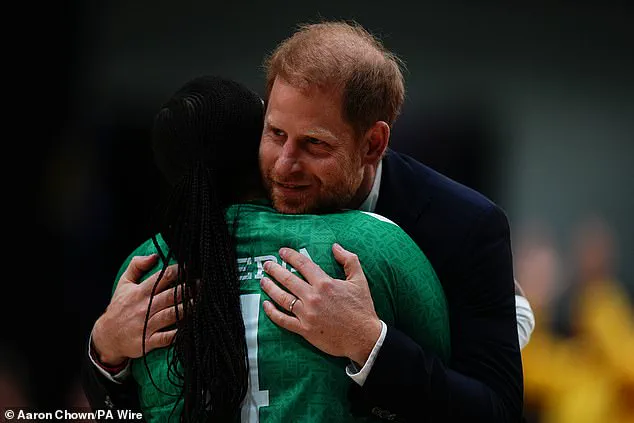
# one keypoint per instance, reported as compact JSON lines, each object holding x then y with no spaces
{"x":533,"y":106}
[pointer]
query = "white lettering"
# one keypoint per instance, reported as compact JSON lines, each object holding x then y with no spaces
{"x":255,"y":397}
{"x":107,"y":414}
{"x":259,"y":260}
{"x":243,"y":264}
{"x":247,"y":272}
{"x":129,"y":415}
{"x":34,"y":416}
{"x":68,"y":415}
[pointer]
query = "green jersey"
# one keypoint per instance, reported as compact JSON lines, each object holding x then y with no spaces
{"x":289,"y":379}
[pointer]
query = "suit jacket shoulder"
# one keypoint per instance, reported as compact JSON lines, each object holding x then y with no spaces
{"x":436,"y":211}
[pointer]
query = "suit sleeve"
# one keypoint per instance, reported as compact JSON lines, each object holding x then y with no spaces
{"x":483,"y":382}
{"x":103,"y":394}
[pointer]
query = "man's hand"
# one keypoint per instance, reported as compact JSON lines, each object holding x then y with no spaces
{"x":118,"y":333}
{"x":336,"y":316}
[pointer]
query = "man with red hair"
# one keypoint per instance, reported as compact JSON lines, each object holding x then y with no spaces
{"x":333,"y":94}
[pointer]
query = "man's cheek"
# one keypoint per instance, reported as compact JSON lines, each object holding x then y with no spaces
{"x":266,"y":165}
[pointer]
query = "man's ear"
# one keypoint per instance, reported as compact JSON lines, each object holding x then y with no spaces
{"x":375,"y":142}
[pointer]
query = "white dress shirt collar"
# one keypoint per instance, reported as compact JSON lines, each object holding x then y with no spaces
{"x":369,"y":204}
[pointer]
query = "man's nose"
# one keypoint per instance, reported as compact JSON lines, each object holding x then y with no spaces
{"x":289,"y":160}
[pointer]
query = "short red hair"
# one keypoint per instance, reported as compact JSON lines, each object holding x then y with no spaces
{"x":346,"y":58}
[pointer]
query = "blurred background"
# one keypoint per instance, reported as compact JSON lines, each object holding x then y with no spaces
{"x":531,"y":105}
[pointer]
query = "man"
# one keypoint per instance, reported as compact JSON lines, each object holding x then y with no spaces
{"x":333,"y":93}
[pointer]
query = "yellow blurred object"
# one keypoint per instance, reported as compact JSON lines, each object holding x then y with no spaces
{"x":605,"y":318}
{"x":589,"y":378}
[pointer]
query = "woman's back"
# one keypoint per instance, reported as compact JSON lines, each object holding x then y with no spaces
{"x":290,"y":380}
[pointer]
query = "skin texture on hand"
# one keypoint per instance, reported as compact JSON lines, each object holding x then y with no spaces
{"x":336,"y":316}
{"x":118,"y":333}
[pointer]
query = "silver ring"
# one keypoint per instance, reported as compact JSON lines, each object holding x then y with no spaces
{"x":290,"y":308}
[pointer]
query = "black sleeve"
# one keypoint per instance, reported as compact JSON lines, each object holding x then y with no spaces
{"x":484,"y":379}
{"x":103,"y":394}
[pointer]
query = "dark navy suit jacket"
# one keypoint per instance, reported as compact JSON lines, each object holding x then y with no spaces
{"x":466,"y":238}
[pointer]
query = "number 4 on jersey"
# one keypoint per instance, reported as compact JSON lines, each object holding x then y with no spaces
{"x":255,"y":398}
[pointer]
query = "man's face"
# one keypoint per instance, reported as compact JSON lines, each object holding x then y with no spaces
{"x":309,"y":157}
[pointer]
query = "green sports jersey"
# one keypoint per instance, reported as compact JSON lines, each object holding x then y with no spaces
{"x":290,"y":380}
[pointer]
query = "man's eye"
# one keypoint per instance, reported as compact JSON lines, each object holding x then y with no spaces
{"x":314,"y":141}
{"x":275,"y":131}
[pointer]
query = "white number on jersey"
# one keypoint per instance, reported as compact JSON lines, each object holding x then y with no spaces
{"x":255,"y":398}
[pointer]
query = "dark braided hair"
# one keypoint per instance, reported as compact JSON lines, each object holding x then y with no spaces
{"x":205,"y":140}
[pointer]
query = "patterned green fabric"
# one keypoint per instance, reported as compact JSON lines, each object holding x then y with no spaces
{"x":290,"y":379}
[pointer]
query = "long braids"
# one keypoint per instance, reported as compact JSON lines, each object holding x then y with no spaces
{"x":196,"y":136}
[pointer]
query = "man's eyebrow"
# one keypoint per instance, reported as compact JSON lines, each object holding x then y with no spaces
{"x":318,"y":132}
{"x":321,"y":133}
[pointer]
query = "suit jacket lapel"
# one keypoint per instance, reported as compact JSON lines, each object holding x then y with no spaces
{"x":402,"y":195}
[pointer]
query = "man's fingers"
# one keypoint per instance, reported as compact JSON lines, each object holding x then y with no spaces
{"x":283,"y":320}
{"x":350,"y":262}
{"x":164,"y":318}
{"x":160,"y":340}
{"x":139,"y":266}
{"x":304,"y":265}
{"x":277,"y":294}
{"x":168,"y":277}
{"x":298,"y":287}
{"x":166,"y":299}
